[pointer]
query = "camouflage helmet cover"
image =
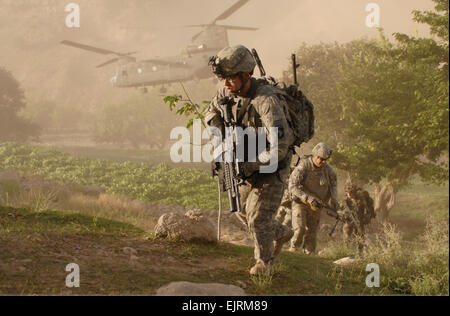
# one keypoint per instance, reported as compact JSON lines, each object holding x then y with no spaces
{"x":231,"y":61}
{"x":350,"y":185}
{"x":322,"y":150}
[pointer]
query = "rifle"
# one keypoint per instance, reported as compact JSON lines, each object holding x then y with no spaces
{"x":294,"y":67}
{"x":333,"y":213}
{"x":347,"y":215}
{"x":322,"y":206}
{"x":229,"y":172}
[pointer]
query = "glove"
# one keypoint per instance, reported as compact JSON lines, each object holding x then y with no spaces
{"x":315,"y":205}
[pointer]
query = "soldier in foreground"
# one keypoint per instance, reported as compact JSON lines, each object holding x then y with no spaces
{"x":255,"y":103}
{"x":312,"y":184}
{"x":361,"y":205}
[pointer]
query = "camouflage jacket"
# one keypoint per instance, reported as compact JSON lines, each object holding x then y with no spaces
{"x":362,"y":205}
{"x":260,"y":108}
{"x":308,"y":181}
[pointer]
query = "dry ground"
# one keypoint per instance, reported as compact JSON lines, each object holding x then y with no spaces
{"x":36,"y":247}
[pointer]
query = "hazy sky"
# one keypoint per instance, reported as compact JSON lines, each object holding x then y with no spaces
{"x":30,"y":32}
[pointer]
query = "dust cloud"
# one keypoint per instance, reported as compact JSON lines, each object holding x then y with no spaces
{"x":30,"y":32}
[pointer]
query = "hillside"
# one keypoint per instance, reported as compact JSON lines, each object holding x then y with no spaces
{"x":102,"y":210}
{"x":36,"y":247}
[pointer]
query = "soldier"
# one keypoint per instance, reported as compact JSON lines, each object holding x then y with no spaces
{"x":312,"y":183}
{"x":255,"y":105}
{"x":361,"y":204}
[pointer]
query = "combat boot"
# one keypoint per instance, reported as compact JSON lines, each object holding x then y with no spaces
{"x":260,"y":268}
{"x":278,"y":244}
{"x":309,"y":252}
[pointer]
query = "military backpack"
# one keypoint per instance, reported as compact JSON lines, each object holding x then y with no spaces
{"x":300,"y":111}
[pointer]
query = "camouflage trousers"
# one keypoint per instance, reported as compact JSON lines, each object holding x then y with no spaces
{"x":350,"y":233}
{"x":284,"y":213}
{"x":305,"y":223}
{"x":260,"y":200}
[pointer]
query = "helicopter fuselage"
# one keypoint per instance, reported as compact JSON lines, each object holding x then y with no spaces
{"x":155,"y":72}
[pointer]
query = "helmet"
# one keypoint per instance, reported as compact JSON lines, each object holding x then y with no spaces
{"x":231,"y":61}
{"x":322,"y":150}
{"x":350,"y":186}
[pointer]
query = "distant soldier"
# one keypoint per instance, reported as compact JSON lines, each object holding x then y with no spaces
{"x":312,"y":183}
{"x":360,"y":204}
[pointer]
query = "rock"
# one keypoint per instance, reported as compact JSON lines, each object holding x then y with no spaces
{"x":345,"y":261}
{"x":191,"y":225}
{"x":199,"y":289}
{"x":129,"y":251}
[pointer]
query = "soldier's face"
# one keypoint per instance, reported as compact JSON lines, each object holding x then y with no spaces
{"x":319,"y":161}
{"x":351,"y":196}
{"x":233,"y":83}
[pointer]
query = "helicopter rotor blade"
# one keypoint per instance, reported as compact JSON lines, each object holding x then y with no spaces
{"x":230,"y":10}
{"x":240,"y":28}
{"x":108,"y":62}
{"x":197,"y":25}
{"x":93,"y":49}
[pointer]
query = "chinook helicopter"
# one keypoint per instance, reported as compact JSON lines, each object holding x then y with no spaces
{"x":191,"y":64}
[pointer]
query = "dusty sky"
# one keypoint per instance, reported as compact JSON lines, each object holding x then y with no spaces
{"x":30,"y":31}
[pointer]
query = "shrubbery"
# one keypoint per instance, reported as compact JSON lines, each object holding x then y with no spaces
{"x":418,"y":268}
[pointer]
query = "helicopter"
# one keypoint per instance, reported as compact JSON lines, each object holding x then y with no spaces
{"x":191,"y":64}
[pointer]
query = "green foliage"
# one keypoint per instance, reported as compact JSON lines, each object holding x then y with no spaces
{"x":12,"y":126}
{"x":318,"y":74}
{"x":415,"y":268}
{"x":383,"y":105}
{"x":395,"y":99}
{"x":188,"y":108}
{"x":190,"y":188}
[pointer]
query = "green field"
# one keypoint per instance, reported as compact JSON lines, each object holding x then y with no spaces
{"x":191,"y":188}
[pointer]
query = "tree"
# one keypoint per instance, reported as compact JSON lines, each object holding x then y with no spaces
{"x":318,"y":73}
{"x":12,"y":126}
{"x":394,"y":97}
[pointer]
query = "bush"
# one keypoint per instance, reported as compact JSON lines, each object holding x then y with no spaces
{"x":414,"y":268}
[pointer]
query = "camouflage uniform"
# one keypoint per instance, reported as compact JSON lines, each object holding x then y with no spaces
{"x":361,"y":204}
{"x":284,"y":213}
{"x":306,"y":183}
{"x":262,"y":193}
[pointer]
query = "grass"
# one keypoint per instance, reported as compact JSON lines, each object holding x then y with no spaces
{"x":93,"y":229}
{"x":13,"y":220}
{"x":36,"y":247}
{"x":420,"y":267}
